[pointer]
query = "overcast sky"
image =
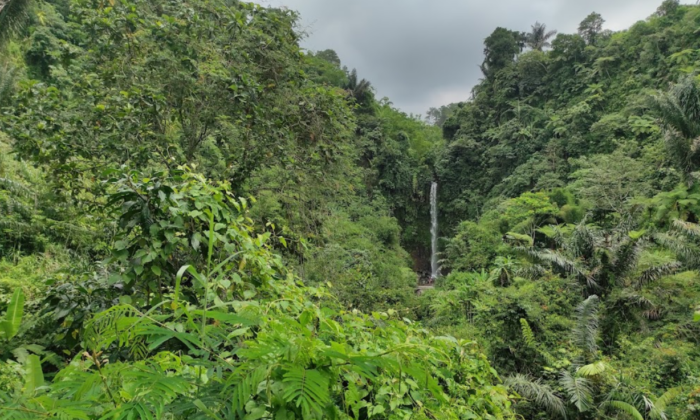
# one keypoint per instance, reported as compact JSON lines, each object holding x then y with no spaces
{"x":425,"y":53}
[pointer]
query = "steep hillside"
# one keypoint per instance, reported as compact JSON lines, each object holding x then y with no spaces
{"x":569,"y":195}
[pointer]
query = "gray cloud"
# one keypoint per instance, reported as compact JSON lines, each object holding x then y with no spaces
{"x":424,"y":53}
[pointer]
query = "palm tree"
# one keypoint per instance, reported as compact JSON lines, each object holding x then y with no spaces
{"x":358,"y":89}
{"x":580,"y":388}
{"x":599,"y":259}
{"x":538,"y":38}
{"x":504,"y":271}
{"x":13,"y":15}
{"x":679,"y":111}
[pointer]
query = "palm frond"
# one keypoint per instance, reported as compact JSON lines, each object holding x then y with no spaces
{"x":532,"y":271}
{"x":655,"y":273}
{"x":17,"y":188}
{"x":585,"y":331}
{"x":658,"y":411}
{"x":687,"y":252}
{"x":690,"y":229}
{"x":540,"y":394}
{"x":635,"y":299}
{"x":582,"y":242}
{"x":579,"y":391}
{"x":679,"y":111}
{"x":626,"y":256}
{"x":558,"y":260}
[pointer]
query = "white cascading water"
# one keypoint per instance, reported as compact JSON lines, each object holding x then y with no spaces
{"x":435,"y":269}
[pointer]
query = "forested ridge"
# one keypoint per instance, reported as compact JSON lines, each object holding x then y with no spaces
{"x":200,"y":219}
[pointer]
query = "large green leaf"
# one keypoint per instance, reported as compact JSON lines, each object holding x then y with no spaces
{"x":625,"y":408}
{"x":13,"y":318}
{"x":34,"y":376}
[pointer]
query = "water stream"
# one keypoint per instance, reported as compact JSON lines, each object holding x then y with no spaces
{"x":434,"y":267}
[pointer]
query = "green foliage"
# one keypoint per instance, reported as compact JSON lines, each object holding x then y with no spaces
{"x":588,"y":95}
{"x":32,"y":214}
{"x":13,"y":16}
{"x":473,"y":247}
{"x":542,"y":395}
{"x":570,"y":173}
{"x":500,"y":49}
{"x":269,"y":342}
{"x":152,"y":289}
{"x":184,"y":98}
{"x":360,"y":255}
{"x":609,"y":182}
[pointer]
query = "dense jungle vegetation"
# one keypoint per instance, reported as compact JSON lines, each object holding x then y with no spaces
{"x":201,"y":220}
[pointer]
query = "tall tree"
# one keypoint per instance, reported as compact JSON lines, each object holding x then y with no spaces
{"x":590,"y":27}
{"x":679,"y":110}
{"x":329,"y":55}
{"x":668,"y":7}
{"x":438,"y":116}
{"x":538,"y":38}
{"x":500,"y":49}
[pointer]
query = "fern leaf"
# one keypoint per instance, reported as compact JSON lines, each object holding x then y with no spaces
{"x":307,"y":388}
{"x":246,"y":388}
{"x":16,"y":188}
{"x":528,"y":335}
{"x":116,"y":324}
{"x":129,"y":411}
{"x":154,"y":388}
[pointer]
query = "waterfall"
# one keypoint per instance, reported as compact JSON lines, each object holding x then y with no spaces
{"x":435,"y":269}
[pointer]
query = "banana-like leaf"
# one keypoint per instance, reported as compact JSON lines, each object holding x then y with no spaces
{"x":34,"y":375}
{"x":593,"y":369}
{"x":13,"y":318}
{"x":625,"y":408}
